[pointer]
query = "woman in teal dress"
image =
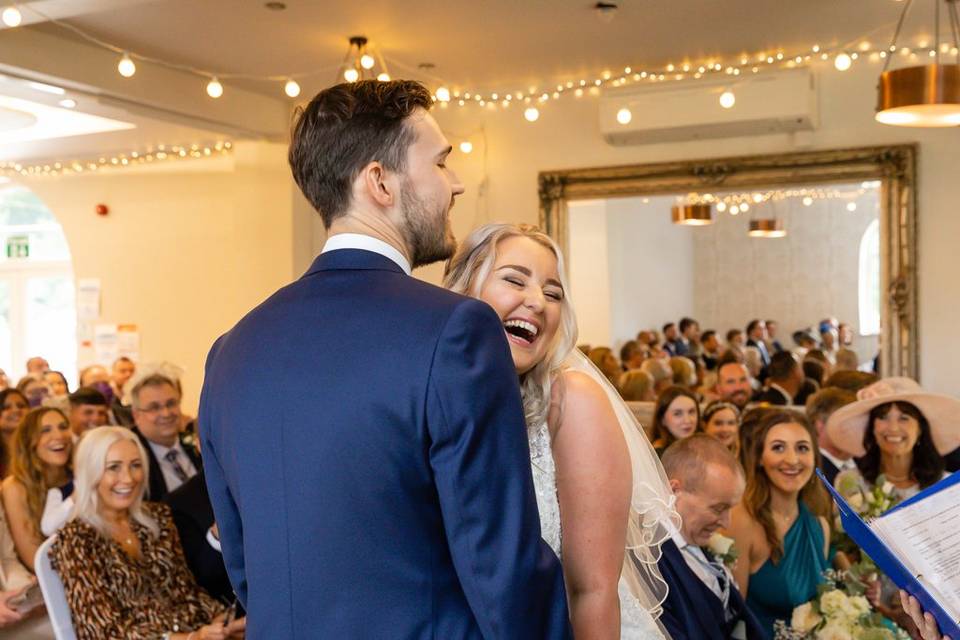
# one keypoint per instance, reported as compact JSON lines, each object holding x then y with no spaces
{"x":780,"y":526}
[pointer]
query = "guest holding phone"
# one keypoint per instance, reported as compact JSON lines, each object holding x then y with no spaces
{"x":119,"y":557}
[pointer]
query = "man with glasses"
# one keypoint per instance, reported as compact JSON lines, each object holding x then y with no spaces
{"x":156,"y":413}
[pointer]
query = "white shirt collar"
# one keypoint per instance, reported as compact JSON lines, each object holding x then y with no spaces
{"x":837,"y":462}
{"x":783,"y":392}
{"x":366,"y":243}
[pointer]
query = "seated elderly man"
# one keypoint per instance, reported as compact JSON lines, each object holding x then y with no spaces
{"x":703,"y":602}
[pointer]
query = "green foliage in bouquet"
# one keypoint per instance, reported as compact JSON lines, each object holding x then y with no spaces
{"x":870,"y":504}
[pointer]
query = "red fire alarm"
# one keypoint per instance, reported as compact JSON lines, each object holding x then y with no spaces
{"x":102,"y":209}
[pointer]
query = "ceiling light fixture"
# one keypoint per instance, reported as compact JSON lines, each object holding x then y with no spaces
{"x":624,"y":116}
{"x":692,"y":215}
{"x":842,"y":62}
{"x":362,"y":62}
{"x":922,"y":96}
{"x":766,"y":228}
{"x":11,"y":17}
{"x":68,"y":103}
{"x":466,"y":146}
{"x":728,"y":99}
{"x":532,"y":114}
{"x":291,"y":88}
{"x":126,"y":66}
{"x":214,"y":88}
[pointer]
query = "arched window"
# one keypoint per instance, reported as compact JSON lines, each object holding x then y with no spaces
{"x":869,"y":280}
{"x":38,"y":314}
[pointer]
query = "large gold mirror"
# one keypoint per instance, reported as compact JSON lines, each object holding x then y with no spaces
{"x":885,"y":174}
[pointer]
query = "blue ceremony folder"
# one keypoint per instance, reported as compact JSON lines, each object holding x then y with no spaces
{"x":886,"y":561}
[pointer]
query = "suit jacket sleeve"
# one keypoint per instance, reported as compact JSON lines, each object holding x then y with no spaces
{"x":481,"y":462}
{"x":225,"y":508}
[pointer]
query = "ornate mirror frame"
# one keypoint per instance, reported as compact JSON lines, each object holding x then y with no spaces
{"x":894,"y":166}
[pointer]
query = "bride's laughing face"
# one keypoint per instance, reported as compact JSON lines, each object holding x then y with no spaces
{"x":524,"y":289}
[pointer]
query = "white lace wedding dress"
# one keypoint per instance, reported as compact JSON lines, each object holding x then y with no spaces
{"x":636,"y":623}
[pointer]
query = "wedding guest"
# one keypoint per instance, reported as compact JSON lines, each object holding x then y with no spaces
{"x":88,"y":409}
{"x":721,"y":420}
{"x":780,"y":527}
{"x":637,"y":385}
{"x":925,"y":622}
{"x":672,"y":343}
{"x":40,"y":461}
{"x":4,"y":380}
{"x":684,"y":372}
{"x":660,"y":371}
{"x":13,"y":406}
{"x":784,"y":380}
{"x":828,"y":341}
{"x":156,"y":412}
{"x":15,"y":579}
{"x":735,"y":339}
{"x":897,"y":430}
{"x":123,"y":369}
{"x":813,"y":370}
{"x":690,"y":337}
{"x":647,"y":337}
{"x":98,"y":377}
{"x":34,"y":388}
{"x":773,"y":345}
{"x":193,"y":516}
{"x":756,"y":337}
{"x":819,"y":408}
{"x":754,"y":361}
{"x":847,"y":360}
{"x":734,"y":383}
{"x":632,"y":355}
{"x":702,"y":602}
{"x":851,"y":380}
{"x":603,"y":359}
{"x":750,"y":420}
{"x":36,"y":364}
{"x":57,"y":383}
{"x":844,"y":334}
{"x":804,"y":339}
{"x":676,"y":416}
{"x":711,"y":349}
{"x":820,"y":356}
{"x":119,"y":557}
{"x":587,"y":453}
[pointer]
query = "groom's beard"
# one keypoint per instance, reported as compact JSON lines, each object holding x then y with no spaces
{"x":426,"y":228}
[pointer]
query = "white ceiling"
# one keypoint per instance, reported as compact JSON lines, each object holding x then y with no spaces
{"x":491,"y":44}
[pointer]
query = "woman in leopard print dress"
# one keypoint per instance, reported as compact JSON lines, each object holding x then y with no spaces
{"x":120,"y":559}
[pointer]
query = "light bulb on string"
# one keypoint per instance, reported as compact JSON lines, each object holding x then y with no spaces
{"x":214,"y":88}
{"x":291,"y":88}
{"x":851,"y":206}
{"x":734,"y":210}
{"x":721,"y":206}
{"x":466,"y":146}
{"x":728,"y":99}
{"x":384,"y":77}
{"x":807,"y":201}
{"x":443,"y":94}
{"x":531,"y":114}
{"x":11,"y":17}
{"x":126,"y":66}
{"x":842,"y":62}
{"x":351,"y":75}
{"x":367,"y":61}
{"x":624,"y":116}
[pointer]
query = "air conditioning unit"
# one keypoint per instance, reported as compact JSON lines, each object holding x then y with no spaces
{"x":778,"y":102}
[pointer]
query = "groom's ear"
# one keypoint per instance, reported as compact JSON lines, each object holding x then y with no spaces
{"x":379,"y":185}
{"x":675,"y":485}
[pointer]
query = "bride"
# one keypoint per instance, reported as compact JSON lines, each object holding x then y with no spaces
{"x":601,"y":492}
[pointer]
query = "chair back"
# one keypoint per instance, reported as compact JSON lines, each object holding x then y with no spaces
{"x":53,"y":594}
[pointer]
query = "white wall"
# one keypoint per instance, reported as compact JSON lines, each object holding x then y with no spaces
{"x":589,"y":270}
{"x":651,"y":266}
{"x":567,"y":136}
{"x":185,"y":251}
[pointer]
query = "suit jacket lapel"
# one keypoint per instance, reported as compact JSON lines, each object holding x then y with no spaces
{"x":709,"y":618}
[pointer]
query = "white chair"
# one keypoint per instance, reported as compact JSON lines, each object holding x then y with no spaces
{"x":53,"y":595}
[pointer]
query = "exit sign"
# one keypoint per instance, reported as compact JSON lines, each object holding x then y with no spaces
{"x":18,"y":247}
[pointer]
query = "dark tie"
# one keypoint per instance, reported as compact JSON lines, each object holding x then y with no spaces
{"x":171,"y":457}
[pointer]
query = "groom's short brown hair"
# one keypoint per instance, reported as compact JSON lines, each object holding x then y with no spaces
{"x":344,"y":128}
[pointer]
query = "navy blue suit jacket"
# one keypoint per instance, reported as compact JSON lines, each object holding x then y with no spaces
{"x":692,"y":611}
{"x":367,"y":460}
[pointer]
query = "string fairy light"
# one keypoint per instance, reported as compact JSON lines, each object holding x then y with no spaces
{"x":843,"y":57}
{"x":736,"y":203}
{"x":159,"y":154}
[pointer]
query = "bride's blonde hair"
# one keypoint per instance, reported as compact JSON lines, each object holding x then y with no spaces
{"x":466,"y":273}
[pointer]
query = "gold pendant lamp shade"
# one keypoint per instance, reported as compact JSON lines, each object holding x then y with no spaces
{"x":694,"y":215}
{"x":766,"y":228}
{"x":928,"y":95}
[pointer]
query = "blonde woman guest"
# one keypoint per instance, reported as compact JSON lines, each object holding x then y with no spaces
{"x":637,"y":386}
{"x":684,"y":372}
{"x":605,"y":361}
{"x":42,"y":446}
{"x":721,"y":420}
{"x":780,"y":526}
{"x":119,"y":557}
{"x":580,"y":434}
{"x":659,"y":369}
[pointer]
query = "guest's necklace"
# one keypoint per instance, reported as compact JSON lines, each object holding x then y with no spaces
{"x":785,"y":519}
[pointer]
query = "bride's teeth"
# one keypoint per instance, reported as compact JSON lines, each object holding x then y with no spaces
{"x":522,"y":324}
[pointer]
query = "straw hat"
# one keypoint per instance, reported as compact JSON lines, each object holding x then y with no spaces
{"x":848,"y":424}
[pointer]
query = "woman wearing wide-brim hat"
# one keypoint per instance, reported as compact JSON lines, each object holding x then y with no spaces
{"x":897,"y":429}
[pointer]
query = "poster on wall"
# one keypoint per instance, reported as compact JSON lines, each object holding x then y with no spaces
{"x":105,"y":343}
{"x":88,"y":299}
{"x":128,"y":342}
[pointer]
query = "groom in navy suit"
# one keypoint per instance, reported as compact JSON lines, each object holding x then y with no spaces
{"x":703,"y":602}
{"x":363,"y":435}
